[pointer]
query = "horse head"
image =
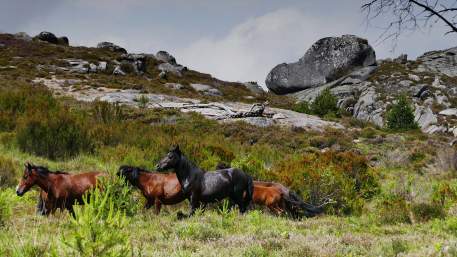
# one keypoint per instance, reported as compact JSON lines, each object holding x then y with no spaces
{"x":129,"y":173}
{"x":170,"y":160}
{"x":29,"y":178}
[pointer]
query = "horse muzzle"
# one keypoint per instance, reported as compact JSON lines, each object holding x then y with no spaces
{"x":19,"y":192}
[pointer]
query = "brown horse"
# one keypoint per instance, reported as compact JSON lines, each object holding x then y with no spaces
{"x":60,"y":189}
{"x":157,"y":188}
{"x":279,"y":199}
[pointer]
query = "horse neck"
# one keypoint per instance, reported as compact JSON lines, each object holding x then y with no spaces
{"x":47,"y":183}
{"x":185,"y":169}
{"x":139,"y":178}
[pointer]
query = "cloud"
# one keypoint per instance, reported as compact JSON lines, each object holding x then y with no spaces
{"x":252,"y":48}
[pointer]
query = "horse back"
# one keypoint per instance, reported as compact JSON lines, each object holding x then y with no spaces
{"x":159,"y":184}
{"x":82,"y":182}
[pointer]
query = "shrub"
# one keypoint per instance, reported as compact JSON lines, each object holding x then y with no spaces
{"x":394,"y":210}
{"x":302,"y":107}
{"x":325,"y":104}
{"x":57,"y":134}
{"x":5,"y":207}
{"x":425,"y":211}
{"x":344,"y":176}
{"x":368,"y":132}
{"x":142,"y":101}
{"x":7,"y":172}
{"x":400,"y":116}
{"x":97,"y":228}
{"x":15,"y":102}
{"x":106,"y":112}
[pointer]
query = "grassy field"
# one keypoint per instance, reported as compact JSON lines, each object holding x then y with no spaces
{"x":395,"y":192}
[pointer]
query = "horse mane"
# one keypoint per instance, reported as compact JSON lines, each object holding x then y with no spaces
{"x":44,"y":171}
{"x":134,"y":167}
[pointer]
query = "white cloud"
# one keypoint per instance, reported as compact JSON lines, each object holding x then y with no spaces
{"x":254,"y":47}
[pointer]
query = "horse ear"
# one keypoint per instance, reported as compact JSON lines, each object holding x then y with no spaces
{"x":135,"y":173}
{"x":176,"y":149}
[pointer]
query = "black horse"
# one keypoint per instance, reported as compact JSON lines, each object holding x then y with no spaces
{"x":207,"y":187}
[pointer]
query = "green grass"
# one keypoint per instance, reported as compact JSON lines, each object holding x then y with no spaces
{"x":395,"y":193}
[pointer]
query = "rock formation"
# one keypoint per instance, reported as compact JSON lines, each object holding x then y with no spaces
{"x":327,"y":60}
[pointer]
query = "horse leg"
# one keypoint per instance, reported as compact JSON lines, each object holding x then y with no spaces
{"x":194,"y":204}
{"x":149,"y":203}
{"x":158,"y":205}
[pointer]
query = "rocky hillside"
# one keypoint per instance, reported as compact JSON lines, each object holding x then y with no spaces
{"x":109,"y":73}
{"x":366,"y":88}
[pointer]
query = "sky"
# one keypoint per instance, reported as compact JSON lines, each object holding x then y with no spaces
{"x":235,"y":40}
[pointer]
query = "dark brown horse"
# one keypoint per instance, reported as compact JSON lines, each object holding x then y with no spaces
{"x":157,"y":188}
{"x":62,"y":189}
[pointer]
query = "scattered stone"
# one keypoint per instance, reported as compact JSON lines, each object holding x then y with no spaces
{"x":92,"y":68}
{"x":368,"y":109}
{"x":254,"y":87}
{"x":279,"y":116}
{"x":437,"y":83}
{"x":405,"y":83}
{"x":63,"y":41}
{"x":164,"y":56}
{"x":77,"y":65}
{"x":163,"y":75}
{"x":102,"y":66}
{"x":23,"y":36}
{"x":449,"y":112}
{"x":112,"y":47}
{"x":206,"y":90}
{"x":47,"y":37}
{"x":174,"y":86}
{"x":424,"y":117}
{"x":327,"y":60}
{"x":118,"y":71}
{"x":414,"y":77}
{"x":174,"y":69}
{"x":443,"y":61}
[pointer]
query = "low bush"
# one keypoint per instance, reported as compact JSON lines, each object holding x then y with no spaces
{"x":325,"y":104}
{"x":5,"y":207}
{"x":7,"y":172}
{"x":302,"y":107}
{"x":97,"y":228}
{"x":400,"y":116}
{"x":55,"y":135}
{"x":344,"y":177}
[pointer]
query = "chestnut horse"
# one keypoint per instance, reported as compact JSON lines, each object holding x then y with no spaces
{"x":157,"y":188}
{"x":279,"y":199}
{"x":60,"y":189}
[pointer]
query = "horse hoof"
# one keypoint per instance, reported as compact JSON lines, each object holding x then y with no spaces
{"x":180,"y":215}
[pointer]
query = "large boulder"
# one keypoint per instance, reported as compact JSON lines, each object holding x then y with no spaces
{"x":51,"y":38}
{"x":112,"y":47}
{"x":47,"y":37}
{"x":327,"y":60}
{"x":439,"y":62}
{"x":164,"y":56}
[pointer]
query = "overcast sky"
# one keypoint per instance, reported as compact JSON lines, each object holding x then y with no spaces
{"x":237,"y":40}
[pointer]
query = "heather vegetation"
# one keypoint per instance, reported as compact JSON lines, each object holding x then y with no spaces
{"x":378,"y":190}
{"x":393,"y":189}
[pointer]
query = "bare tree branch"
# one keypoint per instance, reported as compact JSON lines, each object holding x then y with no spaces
{"x":410,"y":15}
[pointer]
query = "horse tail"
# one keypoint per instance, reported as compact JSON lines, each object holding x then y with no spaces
{"x":249,"y":191}
{"x":295,"y":206}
